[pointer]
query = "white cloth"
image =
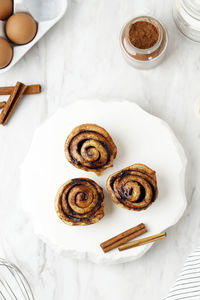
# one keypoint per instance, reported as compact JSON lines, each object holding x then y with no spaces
{"x":187,"y":286}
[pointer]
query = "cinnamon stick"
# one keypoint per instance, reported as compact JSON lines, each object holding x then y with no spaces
{"x":2,"y":104}
{"x":10,"y":105}
{"x":144,"y":241}
{"x":31,"y":89}
{"x":123,"y":237}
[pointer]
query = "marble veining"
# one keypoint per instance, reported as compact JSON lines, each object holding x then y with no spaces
{"x":80,"y":58}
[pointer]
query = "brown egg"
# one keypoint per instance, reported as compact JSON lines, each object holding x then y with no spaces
{"x":21,"y":28}
{"x":6,"y":9}
{"x":6,"y":53}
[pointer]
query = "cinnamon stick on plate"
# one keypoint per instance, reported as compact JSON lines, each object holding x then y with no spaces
{"x":149,"y":239}
{"x":31,"y":89}
{"x":123,"y":237}
{"x":10,"y":105}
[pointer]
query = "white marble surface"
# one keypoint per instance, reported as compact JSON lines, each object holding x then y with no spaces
{"x":80,"y":58}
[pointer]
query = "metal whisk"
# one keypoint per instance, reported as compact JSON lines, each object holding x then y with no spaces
{"x":13,"y":284}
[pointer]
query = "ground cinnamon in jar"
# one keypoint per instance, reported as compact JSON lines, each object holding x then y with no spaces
{"x":143,"y":34}
{"x":144,"y":42}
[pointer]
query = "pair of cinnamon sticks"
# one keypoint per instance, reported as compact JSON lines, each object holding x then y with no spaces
{"x":121,"y":240}
{"x":16,"y":92}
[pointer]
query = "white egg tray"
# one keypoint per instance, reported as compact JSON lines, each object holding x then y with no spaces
{"x":46,"y":12}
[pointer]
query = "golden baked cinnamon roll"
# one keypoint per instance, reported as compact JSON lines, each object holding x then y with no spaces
{"x":80,"y":201}
{"x":133,"y":188}
{"x":89,"y":147}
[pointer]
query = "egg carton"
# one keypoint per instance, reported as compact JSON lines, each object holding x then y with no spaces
{"x":46,"y":12}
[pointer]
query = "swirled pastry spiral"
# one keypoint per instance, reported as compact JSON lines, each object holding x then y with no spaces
{"x":90,"y":148}
{"x":133,"y":188}
{"x":80,"y":201}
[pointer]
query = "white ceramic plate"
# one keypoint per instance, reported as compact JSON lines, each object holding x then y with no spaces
{"x":47,"y":13}
{"x":140,"y":138}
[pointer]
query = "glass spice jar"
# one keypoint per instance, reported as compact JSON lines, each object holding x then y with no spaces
{"x":144,"y":42}
{"x":186,"y":15}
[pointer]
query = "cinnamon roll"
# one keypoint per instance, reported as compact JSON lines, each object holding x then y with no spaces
{"x":80,"y":201}
{"x":133,"y":188}
{"x":89,"y":147}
